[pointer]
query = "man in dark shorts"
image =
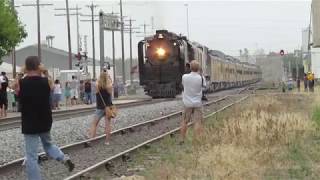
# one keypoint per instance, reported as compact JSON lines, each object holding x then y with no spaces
{"x":36,"y":116}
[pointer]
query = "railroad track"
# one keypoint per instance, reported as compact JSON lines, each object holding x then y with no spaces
{"x":123,"y":140}
{"x":108,"y":167}
{"x":15,"y":122}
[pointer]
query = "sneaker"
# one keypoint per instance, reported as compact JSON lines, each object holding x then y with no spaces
{"x":107,"y":143}
{"x":68,"y":163}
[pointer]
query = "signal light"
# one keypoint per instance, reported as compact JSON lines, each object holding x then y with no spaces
{"x":281,"y":52}
{"x":78,"y":56}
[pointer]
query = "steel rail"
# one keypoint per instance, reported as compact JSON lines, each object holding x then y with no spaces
{"x":15,"y":122}
{"x":92,"y":168}
{"x":86,"y":143}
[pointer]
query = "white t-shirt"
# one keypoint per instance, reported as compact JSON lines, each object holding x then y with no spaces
{"x":57,"y":89}
{"x":74,"y":84}
{"x":2,"y":79}
{"x":192,"y":89}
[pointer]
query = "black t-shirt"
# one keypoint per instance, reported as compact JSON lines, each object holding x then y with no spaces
{"x":106,"y":101}
{"x":87,"y":87}
{"x":36,"y":112}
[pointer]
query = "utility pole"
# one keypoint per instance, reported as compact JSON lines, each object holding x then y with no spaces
{"x":187,"y":8}
{"x":92,"y":20}
{"x":152,"y":23}
{"x":145,"y":34}
{"x":37,"y":5}
{"x":113,"y":53}
{"x":122,"y":44}
{"x":92,"y":6}
{"x":101,"y":32}
{"x":13,"y":53}
{"x":77,"y":14}
{"x":130,"y":31}
{"x":131,"y":78}
{"x":38,"y":26}
{"x":69,"y":36}
{"x":78,"y":33}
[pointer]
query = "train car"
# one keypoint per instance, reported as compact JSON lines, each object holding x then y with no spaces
{"x":164,"y":58}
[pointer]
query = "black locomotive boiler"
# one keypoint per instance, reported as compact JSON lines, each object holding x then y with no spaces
{"x":163,"y":58}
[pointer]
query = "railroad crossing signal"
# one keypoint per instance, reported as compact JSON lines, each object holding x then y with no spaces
{"x":79,"y":57}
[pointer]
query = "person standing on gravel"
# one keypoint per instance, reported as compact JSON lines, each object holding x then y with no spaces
{"x":36,"y":116}
{"x":57,"y":94}
{"x":74,"y":85}
{"x":305,"y":82}
{"x":4,"y":82}
{"x":191,"y":97}
{"x":104,"y":100}
{"x":87,"y":92}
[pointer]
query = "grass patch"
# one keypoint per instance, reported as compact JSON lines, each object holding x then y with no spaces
{"x":265,"y":137}
{"x":316,"y":116}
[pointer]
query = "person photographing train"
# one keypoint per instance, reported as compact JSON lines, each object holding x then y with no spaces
{"x":36,"y":118}
{"x":192,"y":99}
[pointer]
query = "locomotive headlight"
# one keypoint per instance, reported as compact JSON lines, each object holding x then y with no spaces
{"x":160,"y":52}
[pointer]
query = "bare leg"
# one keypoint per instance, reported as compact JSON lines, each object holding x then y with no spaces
{"x":108,"y":129}
{"x":183,"y":130}
{"x":198,"y":128}
{"x":93,"y":128}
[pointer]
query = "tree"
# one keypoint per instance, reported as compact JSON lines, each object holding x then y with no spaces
{"x":12,"y":31}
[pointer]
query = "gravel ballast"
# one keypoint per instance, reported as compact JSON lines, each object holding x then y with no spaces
{"x":76,"y":129}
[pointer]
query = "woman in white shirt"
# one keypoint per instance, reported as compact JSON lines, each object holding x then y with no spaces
{"x":57,"y":93}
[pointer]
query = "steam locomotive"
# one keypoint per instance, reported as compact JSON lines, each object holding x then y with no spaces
{"x":164,"y":58}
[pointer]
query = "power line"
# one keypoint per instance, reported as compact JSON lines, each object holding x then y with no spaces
{"x":67,"y":9}
{"x":77,"y":14}
{"x":37,"y":5}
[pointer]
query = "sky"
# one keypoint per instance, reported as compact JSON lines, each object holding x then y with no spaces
{"x":225,"y":25}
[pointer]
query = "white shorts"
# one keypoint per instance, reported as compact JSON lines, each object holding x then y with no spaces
{"x":74,"y":94}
